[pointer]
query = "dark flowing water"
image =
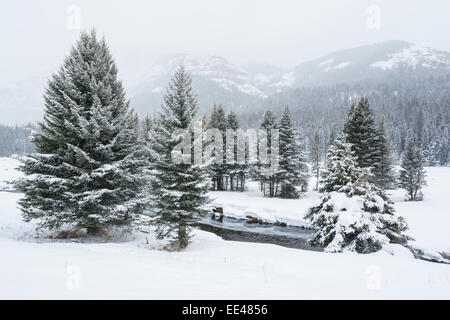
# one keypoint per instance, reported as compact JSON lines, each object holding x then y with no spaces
{"x":286,"y":236}
{"x":242,"y":230}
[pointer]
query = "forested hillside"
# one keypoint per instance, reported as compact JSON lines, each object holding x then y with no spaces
{"x":418,"y":108}
{"x":15,"y":140}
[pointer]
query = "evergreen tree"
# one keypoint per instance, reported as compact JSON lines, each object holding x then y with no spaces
{"x":362,"y":133}
{"x":232,"y":121}
{"x":353,"y":214}
{"x":315,"y":159}
{"x":419,"y":126}
{"x":348,"y":122}
{"x":219,"y":171}
{"x":178,"y":189}
{"x":147,"y":126}
{"x":332,"y":137}
{"x":265,"y":174}
{"x":89,"y":170}
{"x":289,"y":165}
{"x":330,"y":140}
{"x":443,"y":154}
{"x":16,"y":140}
{"x":301,"y":160}
{"x":384,"y":171}
{"x":341,"y":167}
{"x":412,"y":174}
{"x":236,"y":171}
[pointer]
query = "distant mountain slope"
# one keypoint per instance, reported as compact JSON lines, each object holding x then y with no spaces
{"x":216,"y":80}
{"x":370,"y":62}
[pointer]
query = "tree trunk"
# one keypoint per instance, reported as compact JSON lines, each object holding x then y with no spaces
{"x":93,"y":230}
{"x":183,"y":240}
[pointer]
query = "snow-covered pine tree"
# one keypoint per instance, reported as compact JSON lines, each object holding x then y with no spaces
{"x":292,"y":170}
{"x":341,"y":168}
{"x":362,"y":133}
{"x":332,"y":137}
{"x":236,"y":171}
{"x":288,"y":159}
{"x":412,"y":174}
{"x":443,"y":155}
{"x":179,"y":190}
{"x":348,"y":122}
{"x":384,"y":173}
{"x":419,"y":126}
{"x":330,"y":140}
{"x":147,"y":126}
{"x":315,"y":159}
{"x":301,"y":156}
{"x":353,"y":214}
{"x":219,"y":171}
{"x":232,"y":121}
{"x":88,"y":171}
{"x":266,"y":177}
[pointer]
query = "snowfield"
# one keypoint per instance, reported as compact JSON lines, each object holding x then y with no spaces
{"x":253,"y":203}
{"x":429,"y":220}
{"x":33,"y":267}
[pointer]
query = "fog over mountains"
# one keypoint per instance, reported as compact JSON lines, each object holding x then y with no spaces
{"x":239,"y":88}
{"x":218,"y":81}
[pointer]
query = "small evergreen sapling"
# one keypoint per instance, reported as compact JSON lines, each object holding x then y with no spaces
{"x":412,"y":174}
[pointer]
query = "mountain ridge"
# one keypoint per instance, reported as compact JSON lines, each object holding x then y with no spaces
{"x":216,"y":80}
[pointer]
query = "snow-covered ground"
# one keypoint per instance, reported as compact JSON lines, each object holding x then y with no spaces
{"x":212,"y":268}
{"x":8,"y":173}
{"x":253,"y":203}
{"x":428,"y":220}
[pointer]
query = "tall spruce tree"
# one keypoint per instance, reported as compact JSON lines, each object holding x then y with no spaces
{"x":362,"y":132}
{"x":89,"y":171}
{"x":236,"y":171}
{"x":265,"y":175}
{"x":384,"y":173}
{"x":301,"y":157}
{"x":315,"y":159}
{"x":219,"y":171}
{"x":330,"y":140}
{"x":147,"y":127}
{"x":178,"y":189}
{"x":289,"y":165}
{"x":353,"y":214}
{"x":412,"y":174}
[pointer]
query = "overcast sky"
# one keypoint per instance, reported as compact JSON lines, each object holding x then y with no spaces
{"x":36,"y":35}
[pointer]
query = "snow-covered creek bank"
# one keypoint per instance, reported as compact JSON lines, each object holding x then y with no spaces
{"x":233,"y":229}
{"x":241,"y":230}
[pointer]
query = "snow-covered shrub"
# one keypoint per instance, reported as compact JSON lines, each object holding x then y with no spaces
{"x":353,"y":214}
{"x":362,"y":223}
